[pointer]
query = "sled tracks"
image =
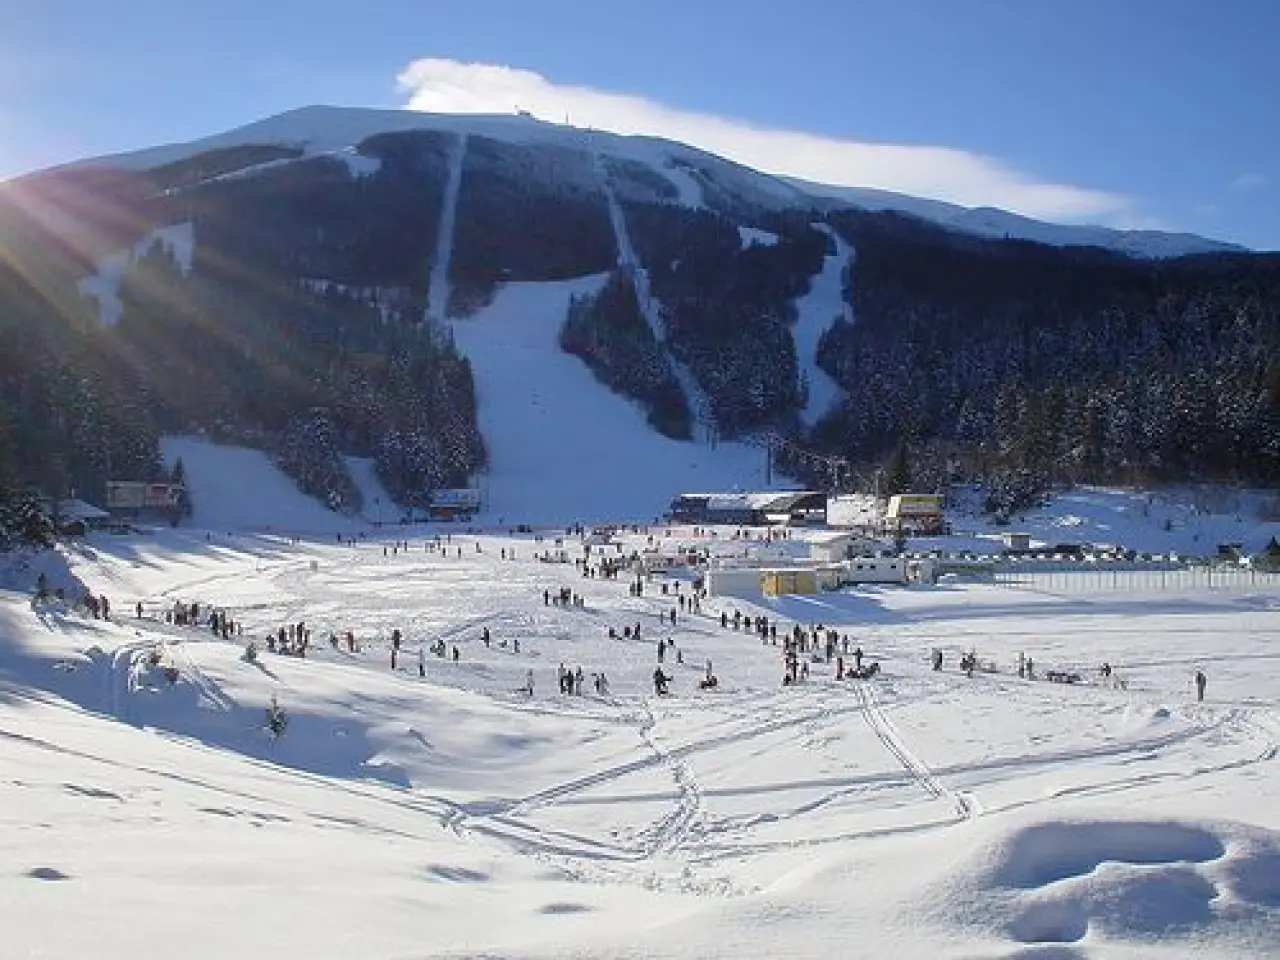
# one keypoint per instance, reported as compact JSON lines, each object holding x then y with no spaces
{"x":964,"y":804}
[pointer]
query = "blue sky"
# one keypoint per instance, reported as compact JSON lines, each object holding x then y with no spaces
{"x":1127,"y":112}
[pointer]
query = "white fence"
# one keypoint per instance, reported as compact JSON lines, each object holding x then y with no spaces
{"x":1180,"y":579}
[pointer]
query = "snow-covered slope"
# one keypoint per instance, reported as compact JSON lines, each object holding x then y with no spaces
{"x":1001,"y":224}
{"x":563,"y":448}
{"x":1186,"y":521}
{"x":816,"y":311}
{"x":323,"y":130}
{"x":234,"y":488}
{"x":103,"y":287}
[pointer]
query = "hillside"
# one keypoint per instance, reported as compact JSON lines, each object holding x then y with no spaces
{"x":333,"y":283}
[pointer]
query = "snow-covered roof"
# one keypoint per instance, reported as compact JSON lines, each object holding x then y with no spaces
{"x":740,"y":501}
{"x":830,"y":537}
{"x":80,"y":510}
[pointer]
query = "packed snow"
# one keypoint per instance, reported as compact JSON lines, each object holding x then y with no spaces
{"x":437,"y":808}
{"x":104,"y":285}
{"x":816,"y":312}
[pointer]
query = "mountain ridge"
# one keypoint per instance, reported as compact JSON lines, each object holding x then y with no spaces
{"x":322,"y":130}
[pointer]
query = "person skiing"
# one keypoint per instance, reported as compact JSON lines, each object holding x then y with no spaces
{"x":422,"y":662}
{"x":1201,"y":681}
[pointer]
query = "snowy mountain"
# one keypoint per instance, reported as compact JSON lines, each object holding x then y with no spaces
{"x":338,"y":132}
{"x":468,"y":299}
{"x":1001,"y":224}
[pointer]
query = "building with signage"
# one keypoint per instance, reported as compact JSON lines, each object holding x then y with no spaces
{"x":459,"y":504}
{"x":750,"y":509}
{"x":920,"y":514}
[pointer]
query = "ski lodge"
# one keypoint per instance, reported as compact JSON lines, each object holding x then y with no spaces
{"x":919,"y":514}
{"x":751,"y":581}
{"x":460,"y":504}
{"x":799,"y":507}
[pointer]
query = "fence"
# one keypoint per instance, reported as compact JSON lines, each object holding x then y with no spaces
{"x":1132,"y":579}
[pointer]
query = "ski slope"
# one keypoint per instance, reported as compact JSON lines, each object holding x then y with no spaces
{"x":816,"y":311}
{"x":564,"y":449}
{"x":438,"y":289}
{"x":918,"y":815}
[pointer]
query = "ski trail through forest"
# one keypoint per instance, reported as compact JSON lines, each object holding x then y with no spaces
{"x":650,"y":309}
{"x":438,"y":292}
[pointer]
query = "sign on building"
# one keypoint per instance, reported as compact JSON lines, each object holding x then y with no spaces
{"x":140,"y":495}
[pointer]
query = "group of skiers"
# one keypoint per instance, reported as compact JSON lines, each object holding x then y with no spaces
{"x":571,"y":681}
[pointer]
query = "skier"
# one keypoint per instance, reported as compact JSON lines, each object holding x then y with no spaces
{"x":422,"y":662}
{"x":660,"y":681}
{"x":1201,"y":680}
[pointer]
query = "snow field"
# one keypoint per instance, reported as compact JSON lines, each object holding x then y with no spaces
{"x":954,"y":816}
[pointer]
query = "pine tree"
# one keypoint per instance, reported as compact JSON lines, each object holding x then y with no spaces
{"x":897,"y":472}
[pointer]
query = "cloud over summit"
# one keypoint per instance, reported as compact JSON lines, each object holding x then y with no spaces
{"x":943,"y":173}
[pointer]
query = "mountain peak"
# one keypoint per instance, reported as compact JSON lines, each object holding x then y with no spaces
{"x":318,"y":129}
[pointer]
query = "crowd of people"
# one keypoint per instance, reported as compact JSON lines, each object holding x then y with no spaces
{"x":678,"y":599}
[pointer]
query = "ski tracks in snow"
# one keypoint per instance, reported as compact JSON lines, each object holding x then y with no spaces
{"x":965,"y":804}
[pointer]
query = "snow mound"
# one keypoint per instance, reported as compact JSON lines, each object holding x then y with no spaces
{"x":1134,"y":881}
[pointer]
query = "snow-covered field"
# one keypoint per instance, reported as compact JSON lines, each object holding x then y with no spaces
{"x":918,"y":814}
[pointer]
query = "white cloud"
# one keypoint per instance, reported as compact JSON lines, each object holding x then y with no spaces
{"x":1250,"y":181}
{"x":942,"y":173}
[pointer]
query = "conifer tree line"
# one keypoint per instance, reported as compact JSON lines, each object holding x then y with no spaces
{"x":1030,"y":367}
{"x":727,"y":308}
{"x":608,"y":332}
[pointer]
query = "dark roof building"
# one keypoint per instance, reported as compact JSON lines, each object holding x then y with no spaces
{"x":795,"y":506}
